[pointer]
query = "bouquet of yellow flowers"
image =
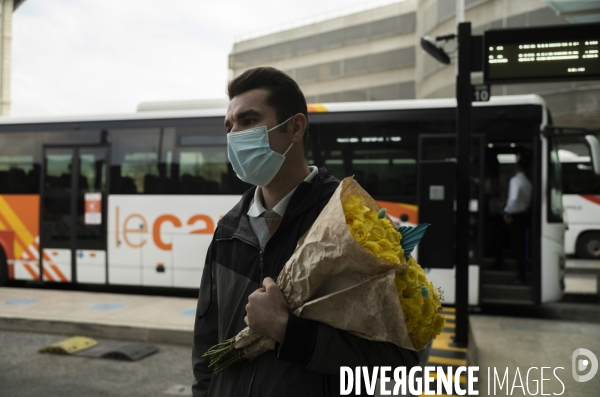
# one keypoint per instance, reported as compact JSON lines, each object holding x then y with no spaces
{"x":352,"y":270}
{"x":378,"y":236}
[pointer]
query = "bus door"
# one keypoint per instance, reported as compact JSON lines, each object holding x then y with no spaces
{"x":73,"y":214}
{"x":437,"y":204}
{"x":499,"y":266}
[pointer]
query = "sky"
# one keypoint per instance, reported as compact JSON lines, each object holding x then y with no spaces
{"x":72,"y":57}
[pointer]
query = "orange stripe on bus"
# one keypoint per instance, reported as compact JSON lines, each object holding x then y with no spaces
{"x":59,"y":273}
{"x":31,"y":252}
{"x":18,"y":239}
{"x":36,"y":247}
{"x":316,"y":108}
{"x":15,"y":221}
{"x":591,"y":197}
{"x":30,"y":271}
{"x":47,"y":274}
{"x":44,"y":255}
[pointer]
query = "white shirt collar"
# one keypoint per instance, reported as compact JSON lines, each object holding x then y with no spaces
{"x":257,"y":208}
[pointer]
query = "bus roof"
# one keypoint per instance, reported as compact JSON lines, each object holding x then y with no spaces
{"x":506,"y":100}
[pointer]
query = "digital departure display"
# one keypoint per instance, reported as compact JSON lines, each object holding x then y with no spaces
{"x":554,"y":53}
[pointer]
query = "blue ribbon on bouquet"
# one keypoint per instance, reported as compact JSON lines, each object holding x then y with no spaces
{"x":411,"y":235}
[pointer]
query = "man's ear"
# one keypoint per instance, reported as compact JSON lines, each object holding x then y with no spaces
{"x":298,"y":123}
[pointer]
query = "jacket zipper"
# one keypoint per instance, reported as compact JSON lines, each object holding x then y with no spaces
{"x":261,"y":266}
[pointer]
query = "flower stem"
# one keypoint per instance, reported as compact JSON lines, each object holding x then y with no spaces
{"x":224,"y":355}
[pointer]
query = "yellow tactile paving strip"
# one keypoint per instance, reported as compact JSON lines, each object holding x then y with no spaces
{"x":442,"y":353}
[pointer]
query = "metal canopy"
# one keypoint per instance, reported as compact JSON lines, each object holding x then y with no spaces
{"x":17,"y":3}
{"x":576,"y":11}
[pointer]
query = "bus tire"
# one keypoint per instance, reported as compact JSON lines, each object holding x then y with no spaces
{"x":588,"y":246}
{"x":3,"y":268}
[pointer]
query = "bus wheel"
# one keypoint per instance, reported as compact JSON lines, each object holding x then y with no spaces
{"x":3,"y":268}
{"x":588,"y":246}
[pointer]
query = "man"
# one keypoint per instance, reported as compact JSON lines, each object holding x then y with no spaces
{"x":516,"y":216}
{"x":266,"y":123}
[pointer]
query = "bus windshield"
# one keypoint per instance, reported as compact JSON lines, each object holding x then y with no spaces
{"x":577,"y":170}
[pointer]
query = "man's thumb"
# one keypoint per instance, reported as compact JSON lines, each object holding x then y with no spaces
{"x":268,"y":283}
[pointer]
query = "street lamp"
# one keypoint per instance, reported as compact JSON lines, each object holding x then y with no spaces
{"x":432,"y":47}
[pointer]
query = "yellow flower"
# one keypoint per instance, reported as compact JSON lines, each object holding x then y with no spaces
{"x":393,"y":236}
{"x":376,"y":233}
{"x":421,"y":277}
{"x":359,"y":230}
{"x":354,"y":216}
{"x":351,"y":203}
{"x":371,"y":247}
{"x":411,"y":275}
{"x":438,"y":324}
{"x":412,"y":261}
{"x":385,"y":223}
{"x":400,"y":285}
{"x":372,"y":216}
{"x":428,"y":310}
{"x":386,"y":245}
{"x":389,"y":256}
{"x":400,"y":252}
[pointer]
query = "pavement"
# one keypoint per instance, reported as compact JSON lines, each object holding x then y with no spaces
{"x":24,"y":372}
{"x":512,"y":345}
{"x":506,"y":343}
{"x":98,"y":315}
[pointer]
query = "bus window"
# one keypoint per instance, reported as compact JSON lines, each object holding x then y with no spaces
{"x":134,"y":161}
{"x":577,"y":171}
{"x":579,"y":178}
{"x":200,"y":170}
{"x":200,"y":162}
{"x":19,"y":169}
{"x":382,"y":156}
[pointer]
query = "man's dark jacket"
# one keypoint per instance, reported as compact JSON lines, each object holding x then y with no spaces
{"x":308,"y":362}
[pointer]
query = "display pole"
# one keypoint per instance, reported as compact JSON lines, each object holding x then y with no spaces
{"x":463,"y":143}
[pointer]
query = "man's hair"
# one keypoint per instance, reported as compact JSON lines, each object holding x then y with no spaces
{"x":284,"y":94}
{"x":524,"y":161}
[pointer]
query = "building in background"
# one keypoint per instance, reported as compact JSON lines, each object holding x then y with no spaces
{"x":571,"y":103}
{"x":366,"y":56}
{"x":7,"y":8}
{"x":375,"y":54}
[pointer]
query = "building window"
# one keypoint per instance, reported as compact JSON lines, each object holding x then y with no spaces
{"x":402,"y":24}
{"x":387,"y":92}
{"x":306,"y":75}
{"x":357,"y":65}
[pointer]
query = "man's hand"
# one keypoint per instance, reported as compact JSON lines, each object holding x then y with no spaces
{"x":267,"y":311}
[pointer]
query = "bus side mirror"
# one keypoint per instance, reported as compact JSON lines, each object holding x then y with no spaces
{"x":594,"y":145}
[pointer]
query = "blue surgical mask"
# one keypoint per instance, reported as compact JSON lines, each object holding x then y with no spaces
{"x":251,"y":156}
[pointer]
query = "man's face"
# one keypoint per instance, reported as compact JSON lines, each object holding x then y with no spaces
{"x":249,"y":110}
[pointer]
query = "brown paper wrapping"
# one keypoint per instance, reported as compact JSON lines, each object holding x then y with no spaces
{"x":332,"y":279}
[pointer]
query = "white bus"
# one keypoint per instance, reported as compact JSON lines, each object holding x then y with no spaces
{"x":133,"y":200}
{"x":581,"y":200}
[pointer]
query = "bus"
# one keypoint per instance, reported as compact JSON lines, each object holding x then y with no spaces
{"x":133,"y":200}
{"x":581,"y":200}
